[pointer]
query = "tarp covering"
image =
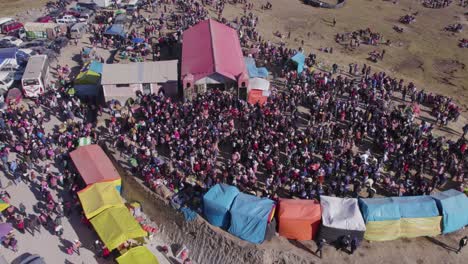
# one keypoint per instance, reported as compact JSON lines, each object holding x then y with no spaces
{"x":252,"y":69}
{"x":3,"y":205}
{"x":258,"y":84}
{"x":256,"y":96}
{"x":93,"y":164}
{"x":89,"y":74}
{"x":249,"y":217}
{"x":299,"y":219}
{"x":116,"y":225}
{"x":98,"y":197}
{"x":115,"y":30}
{"x":405,"y":227}
{"x":211,"y":47}
{"x":453,"y":206}
{"x":299,"y":60}
{"x":217,"y":202}
{"x":341,"y":213}
{"x":138,"y":255}
{"x":396,"y":217}
{"x":394,"y":208}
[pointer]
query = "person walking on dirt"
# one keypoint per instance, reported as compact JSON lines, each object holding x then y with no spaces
{"x":320,"y":245}
{"x":463,"y":242}
{"x":334,"y":22}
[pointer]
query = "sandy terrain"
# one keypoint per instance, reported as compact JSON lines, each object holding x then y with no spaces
{"x":424,"y":53}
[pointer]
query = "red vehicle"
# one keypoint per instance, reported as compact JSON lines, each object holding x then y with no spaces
{"x":45,"y":19}
{"x":73,"y":13}
{"x":11,"y":27}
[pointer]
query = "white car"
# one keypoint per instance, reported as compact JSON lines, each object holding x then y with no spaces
{"x":6,"y":80}
{"x":12,"y":40}
{"x":67,"y":19}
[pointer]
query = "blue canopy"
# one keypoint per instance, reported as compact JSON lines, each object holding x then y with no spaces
{"x":115,"y":30}
{"x":138,"y":40}
{"x":299,"y":59}
{"x":252,"y":69}
{"x":217,"y":202}
{"x":453,"y":206}
{"x":395,"y":208}
{"x":95,"y":66}
{"x":249,"y":217}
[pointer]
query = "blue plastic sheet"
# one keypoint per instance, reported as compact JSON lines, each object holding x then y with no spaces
{"x":249,"y":217}
{"x":189,"y":214}
{"x":395,"y":208}
{"x":453,"y":206}
{"x":299,"y":59}
{"x":217,"y":202}
{"x":252,"y":69}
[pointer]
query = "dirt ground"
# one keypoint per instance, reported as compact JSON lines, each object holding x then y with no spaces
{"x":424,"y":53}
{"x":11,"y":7}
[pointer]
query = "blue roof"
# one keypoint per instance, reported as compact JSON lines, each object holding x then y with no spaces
{"x":249,"y":217}
{"x":8,"y":53}
{"x":252,"y":69}
{"x":95,"y":66}
{"x":299,"y":59}
{"x":453,"y":206}
{"x":395,"y":208}
{"x":217,"y":202}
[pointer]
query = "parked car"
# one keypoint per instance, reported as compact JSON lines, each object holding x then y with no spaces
{"x":33,"y":259}
{"x":90,"y":6}
{"x":17,"y":71}
{"x":11,"y":27}
{"x":6,"y":44}
{"x":6,"y":80}
{"x":67,"y":19}
{"x":72,"y":13}
{"x":86,"y":16}
{"x":45,"y":19}
{"x":55,"y":13}
{"x":12,"y":40}
{"x":33,"y":44}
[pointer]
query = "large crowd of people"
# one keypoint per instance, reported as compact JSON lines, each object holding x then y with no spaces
{"x":350,"y":134}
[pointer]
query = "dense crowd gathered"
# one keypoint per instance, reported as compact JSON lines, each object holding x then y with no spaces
{"x":343,"y":135}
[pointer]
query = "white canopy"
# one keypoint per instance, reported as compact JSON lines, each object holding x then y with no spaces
{"x":341,"y":213}
{"x":258,"y":84}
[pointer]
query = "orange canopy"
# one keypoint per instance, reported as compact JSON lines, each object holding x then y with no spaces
{"x":299,"y":219}
{"x":256,"y":96}
{"x":93,"y":164}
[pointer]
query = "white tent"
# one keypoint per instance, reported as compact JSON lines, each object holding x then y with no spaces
{"x":340,"y":217}
{"x":258,"y":84}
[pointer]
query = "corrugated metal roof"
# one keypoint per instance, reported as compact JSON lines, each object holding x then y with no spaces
{"x":139,"y":72}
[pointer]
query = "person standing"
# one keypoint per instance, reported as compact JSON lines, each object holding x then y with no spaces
{"x":334,"y":22}
{"x":320,"y":245}
{"x":354,"y":244}
{"x":463,"y":242}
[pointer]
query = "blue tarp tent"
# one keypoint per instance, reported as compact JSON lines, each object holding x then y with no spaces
{"x":252,"y":69}
{"x":95,"y":66}
{"x":249,"y":217}
{"x":453,"y":206}
{"x":115,"y":30}
{"x":299,"y":60}
{"x":395,"y":208}
{"x":217,"y":202}
{"x":379,"y":209}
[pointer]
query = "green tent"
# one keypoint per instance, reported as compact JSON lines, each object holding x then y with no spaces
{"x":88,"y":77}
